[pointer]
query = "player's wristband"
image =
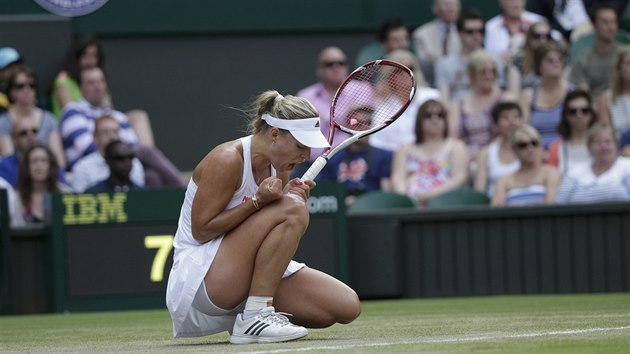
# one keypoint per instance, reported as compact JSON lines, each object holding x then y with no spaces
{"x":255,"y":202}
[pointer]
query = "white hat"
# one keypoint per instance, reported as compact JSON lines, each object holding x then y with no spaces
{"x":8,"y":56}
{"x":306,"y":130}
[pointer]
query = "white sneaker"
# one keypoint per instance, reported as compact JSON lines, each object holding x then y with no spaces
{"x":267,"y":326}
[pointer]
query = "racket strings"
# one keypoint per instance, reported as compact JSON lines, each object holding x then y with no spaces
{"x":372,"y":97}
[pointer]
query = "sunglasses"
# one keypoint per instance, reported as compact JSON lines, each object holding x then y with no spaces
{"x":471,"y":31}
{"x":439,"y":114}
{"x":583,"y":110}
{"x":21,"y":85}
{"x":122,"y":157}
{"x":25,"y":132}
{"x":330,"y":64}
{"x":541,"y":36}
{"x":522,"y":145}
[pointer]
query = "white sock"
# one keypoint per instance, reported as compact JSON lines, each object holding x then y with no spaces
{"x":256,"y":303}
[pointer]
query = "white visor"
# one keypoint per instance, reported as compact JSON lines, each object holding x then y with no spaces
{"x":305,"y":130}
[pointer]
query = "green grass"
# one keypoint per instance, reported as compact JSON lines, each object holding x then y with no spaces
{"x":506,"y":324}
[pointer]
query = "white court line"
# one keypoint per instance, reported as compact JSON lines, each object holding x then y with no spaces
{"x":447,"y":340}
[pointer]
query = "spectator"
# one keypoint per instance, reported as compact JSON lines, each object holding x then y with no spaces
{"x":565,"y":16}
{"x":471,"y":118}
{"x":570,"y":149}
{"x":590,"y":69}
{"x":436,"y":163}
{"x":14,"y":218}
{"x":331,"y":70}
{"x":360,"y":167}
{"x":438,"y":39}
{"x":542,"y":103}
{"x":613,"y":106}
{"x":521,"y":72}
{"x":25,"y":134}
{"x":402,"y":131}
{"x":119,"y":157}
{"x":9,"y":59}
{"x":498,"y":158}
{"x":451,"y":76}
{"x":505,"y":33}
{"x":93,"y":168}
{"x":606,"y":178}
{"x":393,"y":34}
{"x":77,"y":129}
{"x":22,"y":92}
{"x":624,"y":144}
{"x":37,"y":176}
{"x":86,"y":51}
{"x":534,"y":183}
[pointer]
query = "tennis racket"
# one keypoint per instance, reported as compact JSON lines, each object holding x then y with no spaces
{"x":372,"y":97}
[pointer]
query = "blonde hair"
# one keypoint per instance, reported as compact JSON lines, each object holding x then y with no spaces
{"x":615,"y":78}
{"x":287,"y":107}
{"x":523,"y":130}
{"x":404,"y":57}
{"x":598,"y":128}
{"x":478,"y":59}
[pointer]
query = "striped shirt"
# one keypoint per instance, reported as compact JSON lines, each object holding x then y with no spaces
{"x":77,"y":128}
{"x":581,"y":185}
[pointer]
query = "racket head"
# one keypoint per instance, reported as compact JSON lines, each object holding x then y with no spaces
{"x":372,"y":97}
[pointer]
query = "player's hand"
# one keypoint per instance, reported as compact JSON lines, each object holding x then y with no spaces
{"x":269,"y":190}
{"x":301,"y":188}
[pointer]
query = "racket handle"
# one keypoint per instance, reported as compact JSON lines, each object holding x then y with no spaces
{"x":315,"y":168}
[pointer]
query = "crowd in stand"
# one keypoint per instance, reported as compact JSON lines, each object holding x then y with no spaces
{"x":529,"y":108}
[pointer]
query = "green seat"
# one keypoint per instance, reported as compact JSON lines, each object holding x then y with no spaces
{"x":458,"y":197}
{"x":377,"y":200}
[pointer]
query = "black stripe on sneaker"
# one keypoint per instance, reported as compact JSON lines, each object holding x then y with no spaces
{"x":257,"y":333}
{"x":252,"y":326}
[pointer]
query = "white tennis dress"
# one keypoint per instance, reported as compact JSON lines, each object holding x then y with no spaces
{"x":192,"y":260}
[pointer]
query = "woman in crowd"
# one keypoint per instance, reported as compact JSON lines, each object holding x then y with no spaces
{"x":613,"y":106}
{"x":570,"y":149}
{"x":542,"y":103}
{"x":521,"y":72}
{"x":534,"y":183}
{"x":498,"y":159}
{"x":436,"y":163}
{"x":606,"y":178}
{"x":37,"y":176}
{"x":22,"y":92}
{"x":470,"y":118}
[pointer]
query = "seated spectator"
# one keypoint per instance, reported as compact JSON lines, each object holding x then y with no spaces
{"x":471,"y":118}
{"x":505,"y":33}
{"x":118,"y":156}
{"x":520,"y":70}
{"x":565,"y":16}
{"x":93,"y":168}
{"x":436,"y":163}
{"x":534,"y":183}
{"x":570,"y":149}
{"x":542,"y":103}
{"x":25,"y":134}
{"x":14,"y":218}
{"x":451,"y":75}
{"x":77,"y":131}
{"x":498,"y":159}
{"x":22,"y":92}
{"x":590,"y":70}
{"x":37,"y":176}
{"x":402,"y":131}
{"x":360,"y":167}
{"x":606,"y":178}
{"x":9,"y":59}
{"x":87,"y":51}
{"x":438,"y":38}
{"x":393,"y":34}
{"x":613,"y":106}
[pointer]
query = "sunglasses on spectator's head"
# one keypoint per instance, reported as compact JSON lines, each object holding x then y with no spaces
{"x":522,"y":145}
{"x":332,"y":63}
{"x":24,"y":132}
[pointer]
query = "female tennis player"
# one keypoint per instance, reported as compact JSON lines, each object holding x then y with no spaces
{"x":240,"y":225}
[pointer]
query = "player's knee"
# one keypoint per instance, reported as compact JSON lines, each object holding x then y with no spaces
{"x":294,"y":212}
{"x":350,"y":309}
